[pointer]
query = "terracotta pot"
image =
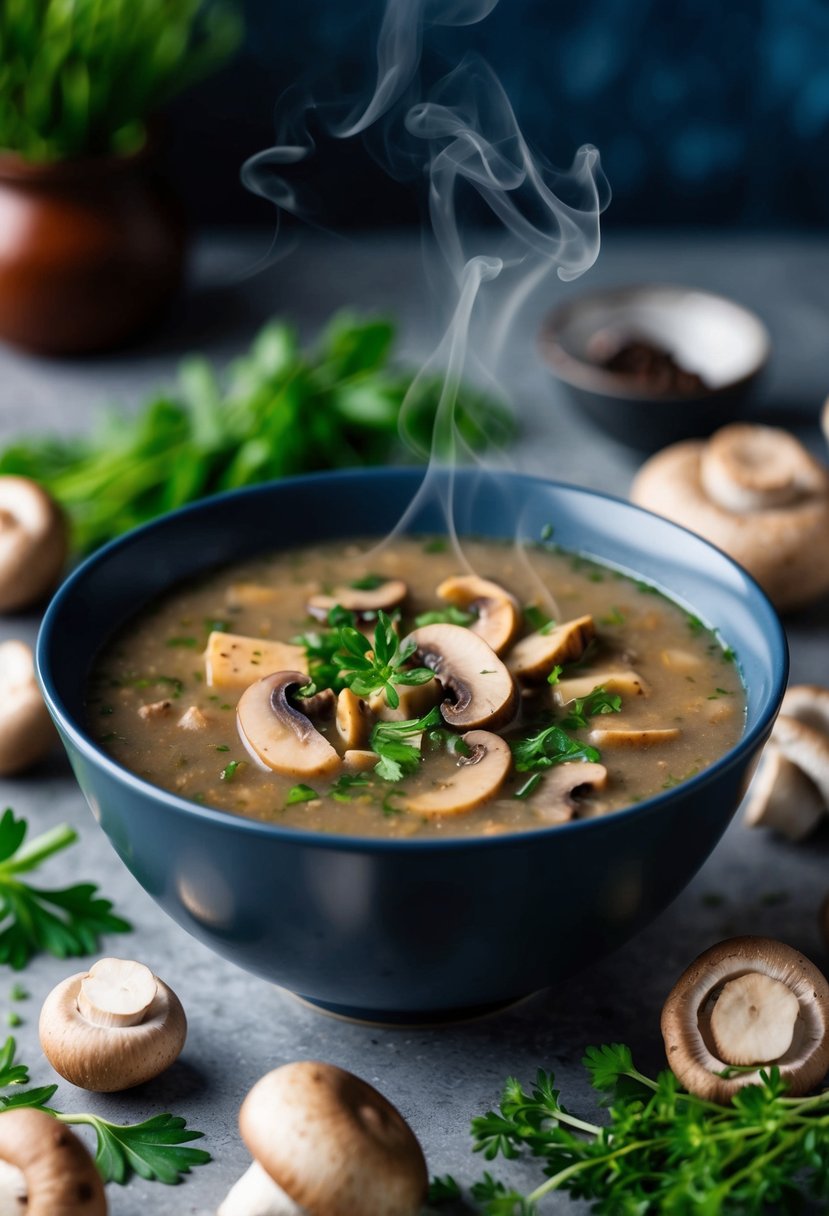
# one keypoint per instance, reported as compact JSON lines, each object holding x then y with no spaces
{"x":90,"y":251}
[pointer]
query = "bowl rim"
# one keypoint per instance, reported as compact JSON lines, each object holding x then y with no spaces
{"x":593,"y":378}
{"x":368,"y":844}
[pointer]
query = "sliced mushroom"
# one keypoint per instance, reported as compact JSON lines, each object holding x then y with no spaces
{"x":354,"y":720}
{"x":808,"y":703}
{"x":232,"y":660}
{"x":755,"y":1022}
{"x":477,"y":778}
{"x":26,"y":730}
{"x":532,"y":659}
{"x":782,"y":797}
{"x":155,"y":709}
{"x":757,"y":493}
{"x":555,"y":798}
{"x":384,"y":598}
{"x":112,"y":1027}
{"x":807,"y":748}
{"x":498,"y":616}
{"x":415,"y":701}
{"x":319,"y":705}
{"x":276,"y":734}
{"x":621,"y":737}
{"x":325,"y":1143}
{"x":480,"y":690}
{"x":360,"y":760}
{"x":33,"y":543}
{"x":51,"y":1166}
{"x":625,"y":683}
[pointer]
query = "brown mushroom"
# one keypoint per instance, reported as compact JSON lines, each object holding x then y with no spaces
{"x":498,"y":616}
{"x":26,"y":730}
{"x":480,"y":690}
{"x":556,"y":796}
{"x":782,"y":797}
{"x":49,"y":1172}
{"x":533,"y":658}
{"x":33,"y":543}
{"x":477,"y":777}
{"x":387,"y":596}
{"x":757,"y":493}
{"x":112,"y":1027}
{"x":325,"y":1143}
{"x":277,"y":735}
{"x":757,"y":1023}
{"x":232,"y":660}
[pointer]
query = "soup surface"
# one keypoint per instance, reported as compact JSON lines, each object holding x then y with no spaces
{"x":604,"y":692}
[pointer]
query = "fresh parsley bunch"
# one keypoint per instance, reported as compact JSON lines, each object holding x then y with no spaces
{"x":367,"y":667}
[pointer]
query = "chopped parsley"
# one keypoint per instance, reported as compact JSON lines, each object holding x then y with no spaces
{"x":450,"y":615}
{"x":300,"y":793}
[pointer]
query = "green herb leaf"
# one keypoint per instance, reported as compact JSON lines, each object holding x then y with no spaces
{"x":549,"y":746}
{"x":599,"y":701}
{"x":397,"y":757}
{"x":450,"y":615}
{"x":300,"y":793}
{"x":154,"y":1149}
{"x":230,"y":769}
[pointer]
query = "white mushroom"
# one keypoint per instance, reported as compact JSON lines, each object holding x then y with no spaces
{"x":477,"y":777}
{"x":33,"y":543}
{"x":277,"y":735}
{"x":757,"y":1024}
{"x":383,"y":598}
{"x":233,"y":660}
{"x":555,"y":798}
{"x":26,"y":730}
{"x":757,"y":493}
{"x":625,"y":683}
{"x":325,"y":1143}
{"x":632,"y":737}
{"x":112,"y":1027}
{"x":532,"y":659}
{"x":782,"y":797}
{"x":480,"y":690}
{"x":49,"y":1165}
{"x":498,"y":616}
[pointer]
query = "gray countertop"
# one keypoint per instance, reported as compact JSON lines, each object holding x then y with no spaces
{"x":239,"y":1026}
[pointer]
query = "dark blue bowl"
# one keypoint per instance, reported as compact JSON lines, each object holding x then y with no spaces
{"x":390,"y":929}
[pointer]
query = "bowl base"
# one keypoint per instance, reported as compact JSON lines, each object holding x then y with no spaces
{"x":405,"y":1019}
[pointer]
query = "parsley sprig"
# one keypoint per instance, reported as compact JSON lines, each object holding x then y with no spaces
{"x":398,"y":758}
{"x":551,"y":744}
{"x":367,"y":667}
{"x":66,"y":922}
{"x":663,"y":1150}
{"x":599,"y":701}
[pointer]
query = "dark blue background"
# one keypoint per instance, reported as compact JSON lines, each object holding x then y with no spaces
{"x":707,"y":112}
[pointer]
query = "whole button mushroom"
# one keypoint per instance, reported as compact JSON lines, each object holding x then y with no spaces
{"x":33,"y":543}
{"x":758,"y":494}
{"x":48,"y":1172}
{"x":325,"y":1143}
{"x":748,"y":1001}
{"x":26,"y":730}
{"x":112,"y":1027}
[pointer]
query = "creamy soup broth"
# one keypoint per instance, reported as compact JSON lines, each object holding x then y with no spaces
{"x":164,"y":703}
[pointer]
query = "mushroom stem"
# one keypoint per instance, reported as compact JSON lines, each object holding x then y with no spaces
{"x":256,"y":1194}
{"x":117,"y":992}
{"x":13,"y":1197}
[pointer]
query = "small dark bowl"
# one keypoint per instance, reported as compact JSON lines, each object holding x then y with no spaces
{"x":391,"y":929}
{"x":724,"y":343}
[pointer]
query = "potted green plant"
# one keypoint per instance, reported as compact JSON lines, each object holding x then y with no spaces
{"x":91,"y":243}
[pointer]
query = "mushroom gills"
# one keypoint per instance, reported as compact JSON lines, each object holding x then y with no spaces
{"x":477,"y":777}
{"x":555,"y":798}
{"x":498,"y":616}
{"x":753,"y":1020}
{"x":233,"y":660}
{"x":532,"y":659}
{"x":277,"y":735}
{"x":256,"y":1194}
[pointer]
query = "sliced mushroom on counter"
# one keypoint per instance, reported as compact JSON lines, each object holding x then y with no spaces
{"x":556,"y":796}
{"x":325,"y":1143}
{"x":782,"y":797}
{"x":47,"y":1163}
{"x":807,"y":748}
{"x":757,"y":493}
{"x":619,"y":736}
{"x":277,"y":735}
{"x":757,"y":1024}
{"x":387,"y":596}
{"x":532,"y":659}
{"x":112,"y":1027}
{"x":478,"y":777}
{"x":33,"y":543}
{"x":625,"y":683}
{"x":354,"y":720}
{"x":480,"y":689}
{"x":26,"y":730}
{"x":498,"y":615}
{"x":415,"y":701}
{"x":232,"y":660}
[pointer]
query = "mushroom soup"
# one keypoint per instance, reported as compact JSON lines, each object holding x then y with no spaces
{"x":386,"y":692}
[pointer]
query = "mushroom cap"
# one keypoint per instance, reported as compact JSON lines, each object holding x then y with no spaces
{"x":782,"y":797}
{"x":689,"y":1045}
{"x":333,"y":1143}
{"x":106,"y":1059}
{"x":756,"y":493}
{"x":498,"y":615}
{"x":477,"y":778}
{"x":277,"y":735}
{"x":807,"y":748}
{"x":481,"y":690}
{"x":61,"y":1178}
{"x":33,"y":543}
{"x":26,"y":730}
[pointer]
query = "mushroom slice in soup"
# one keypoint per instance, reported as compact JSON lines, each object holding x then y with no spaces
{"x":480,"y":690}
{"x":556,"y":797}
{"x":498,"y":615}
{"x":232,"y":660}
{"x":621,"y":737}
{"x":625,"y":683}
{"x":532,"y":659}
{"x":477,"y":778}
{"x":382,"y":598}
{"x":277,"y":735}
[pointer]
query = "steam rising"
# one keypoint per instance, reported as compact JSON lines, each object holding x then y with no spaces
{"x":462,"y":135}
